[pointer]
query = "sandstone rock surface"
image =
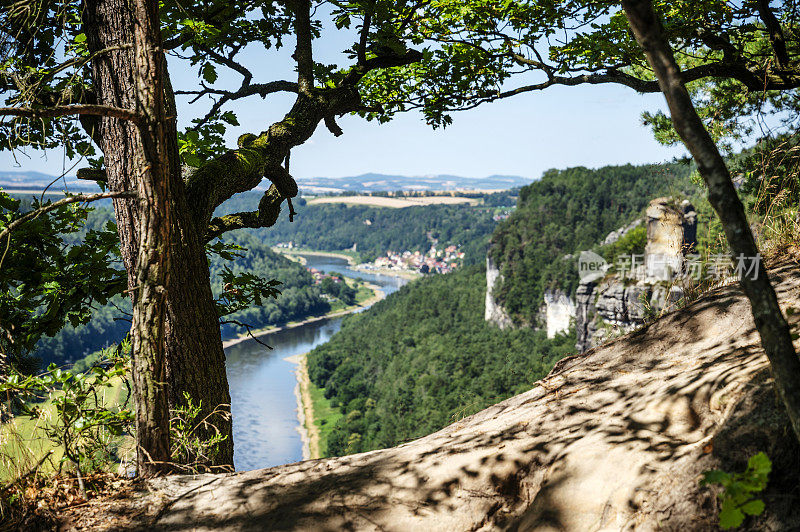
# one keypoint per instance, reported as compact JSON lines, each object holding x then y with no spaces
{"x":494,"y":313}
{"x":613,"y":439}
{"x":559,"y":312}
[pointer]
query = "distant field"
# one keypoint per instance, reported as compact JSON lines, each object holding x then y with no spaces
{"x":396,"y":203}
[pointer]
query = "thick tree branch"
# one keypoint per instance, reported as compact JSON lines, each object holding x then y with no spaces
{"x":769,"y":320}
{"x":776,"y":36}
{"x":333,"y":127}
{"x":716,"y":41}
{"x":303,"y":53}
{"x":267,"y":214}
{"x":66,"y":110}
{"x":263,"y":155}
{"x":260,"y":156}
{"x":91,"y":174}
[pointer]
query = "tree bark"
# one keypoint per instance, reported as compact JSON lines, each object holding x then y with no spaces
{"x":152,"y":270}
{"x":195,"y":361}
{"x":770,"y":322}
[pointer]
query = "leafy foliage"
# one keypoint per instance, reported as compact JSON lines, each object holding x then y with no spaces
{"x":49,"y":279}
{"x":85,"y":426}
{"x":631,"y":243}
{"x":187,"y":422}
{"x":258,"y":304}
{"x":737,"y":496}
{"x":423,"y":358}
{"x":487,"y":50}
{"x":243,"y":289}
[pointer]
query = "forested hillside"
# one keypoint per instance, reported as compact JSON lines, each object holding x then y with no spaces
{"x":325,"y":227}
{"x":423,"y":358}
{"x":110,"y":323}
{"x":568,"y":211}
{"x":375,"y":230}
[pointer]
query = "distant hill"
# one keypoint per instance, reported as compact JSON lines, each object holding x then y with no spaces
{"x":309,"y":185}
{"x":12,"y":180}
{"x":380,"y":182}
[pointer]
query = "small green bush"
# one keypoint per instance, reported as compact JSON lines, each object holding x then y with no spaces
{"x":85,"y":426}
{"x":737,"y":500}
{"x":188,"y":448}
{"x":631,"y":243}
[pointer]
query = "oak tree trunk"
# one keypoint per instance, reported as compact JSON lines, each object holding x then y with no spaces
{"x":153,"y":181}
{"x":770,"y":322}
{"x":195,"y":361}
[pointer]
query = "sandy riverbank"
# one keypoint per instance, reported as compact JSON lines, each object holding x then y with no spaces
{"x":309,"y":432}
{"x":285,"y":251}
{"x":378,"y":294}
{"x":405,"y":274}
{"x":298,"y":255}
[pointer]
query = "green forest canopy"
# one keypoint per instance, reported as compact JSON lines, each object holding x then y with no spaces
{"x":423,"y":358}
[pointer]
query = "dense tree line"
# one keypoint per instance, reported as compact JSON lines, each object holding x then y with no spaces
{"x":375,"y":230}
{"x":335,"y":286}
{"x":568,"y":211}
{"x":423,"y":358}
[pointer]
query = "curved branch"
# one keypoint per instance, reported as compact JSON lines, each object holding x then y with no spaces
{"x":260,"y":89}
{"x":263,"y":155}
{"x":719,"y":70}
{"x":267,"y":214}
{"x":230,"y":63}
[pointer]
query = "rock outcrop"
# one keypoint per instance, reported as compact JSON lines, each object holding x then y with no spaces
{"x":671,"y":235}
{"x":613,"y":236}
{"x":615,"y":305}
{"x":558,"y":311}
{"x":612,"y":308}
{"x":613,"y":439}
{"x":494,"y":313}
{"x":642,"y":287}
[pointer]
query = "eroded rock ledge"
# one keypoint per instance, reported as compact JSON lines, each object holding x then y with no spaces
{"x":613,"y":439}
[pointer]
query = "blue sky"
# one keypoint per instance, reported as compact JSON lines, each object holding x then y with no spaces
{"x":563,"y":126}
{"x":570,"y":126}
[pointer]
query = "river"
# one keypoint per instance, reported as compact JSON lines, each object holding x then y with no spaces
{"x":262,"y":382}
